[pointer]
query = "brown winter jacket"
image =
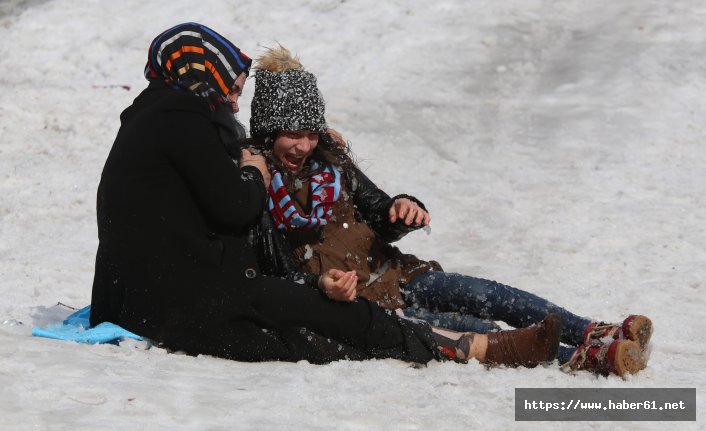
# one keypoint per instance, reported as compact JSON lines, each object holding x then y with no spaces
{"x":357,"y":237}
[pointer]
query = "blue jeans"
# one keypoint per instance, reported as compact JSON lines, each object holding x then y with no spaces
{"x":463,"y":303}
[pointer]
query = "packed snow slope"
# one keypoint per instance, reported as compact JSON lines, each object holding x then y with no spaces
{"x":558,"y":145}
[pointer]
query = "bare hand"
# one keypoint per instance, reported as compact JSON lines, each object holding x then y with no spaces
{"x":339,"y":285}
{"x":409,"y":212}
{"x":258,"y":161}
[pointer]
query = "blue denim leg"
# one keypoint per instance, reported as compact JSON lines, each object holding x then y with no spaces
{"x":565,"y":354}
{"x":453,"y":321}
{"x":486,"y":299}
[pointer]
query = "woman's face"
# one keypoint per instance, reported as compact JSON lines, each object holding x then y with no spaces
{"x":235,"y":92}
{"x":293,"y":147}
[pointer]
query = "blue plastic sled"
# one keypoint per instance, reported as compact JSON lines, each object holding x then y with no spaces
{"x":77,"y":328}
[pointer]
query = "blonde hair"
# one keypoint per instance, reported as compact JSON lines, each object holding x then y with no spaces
{"x":278,"y":59}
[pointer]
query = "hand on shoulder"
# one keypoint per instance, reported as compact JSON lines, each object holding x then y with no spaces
{"x":258,"y":161}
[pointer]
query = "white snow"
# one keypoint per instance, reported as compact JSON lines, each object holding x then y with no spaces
{"x":558,"y":145}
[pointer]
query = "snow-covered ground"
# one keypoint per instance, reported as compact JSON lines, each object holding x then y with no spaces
{"x":558,"y":145}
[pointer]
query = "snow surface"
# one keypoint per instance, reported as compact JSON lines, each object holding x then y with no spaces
{"x":558,"y":145}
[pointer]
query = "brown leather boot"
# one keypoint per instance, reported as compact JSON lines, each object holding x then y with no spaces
{"x":525,"y":347}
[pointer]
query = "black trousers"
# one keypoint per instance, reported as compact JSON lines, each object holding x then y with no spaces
{"x":277,"y":320}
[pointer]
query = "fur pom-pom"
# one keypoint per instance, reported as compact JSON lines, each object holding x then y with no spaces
{"x":278,"y":59}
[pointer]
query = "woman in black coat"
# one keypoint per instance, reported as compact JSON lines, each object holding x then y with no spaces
{"x":175,"y":260}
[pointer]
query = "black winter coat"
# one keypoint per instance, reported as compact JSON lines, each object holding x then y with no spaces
{"x":172,"y":232}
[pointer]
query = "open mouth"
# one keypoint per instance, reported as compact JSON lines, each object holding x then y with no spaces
{"x":292,"y":162}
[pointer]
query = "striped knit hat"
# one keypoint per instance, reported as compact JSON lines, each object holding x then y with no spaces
{"x":191,"y":55}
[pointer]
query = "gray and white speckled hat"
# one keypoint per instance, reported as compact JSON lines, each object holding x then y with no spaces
{"x":288,"y":100}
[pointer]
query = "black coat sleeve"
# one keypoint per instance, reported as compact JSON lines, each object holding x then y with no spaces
{"x":276,"y":255}
{"x":374,"y":205}
{"x":232,"y":198}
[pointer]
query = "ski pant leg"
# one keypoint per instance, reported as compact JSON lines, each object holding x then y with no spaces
{"x":444,"y":292}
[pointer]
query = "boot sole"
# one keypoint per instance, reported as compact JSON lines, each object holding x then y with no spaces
{"x":628,"y":358}
{"x":638,"y":329}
